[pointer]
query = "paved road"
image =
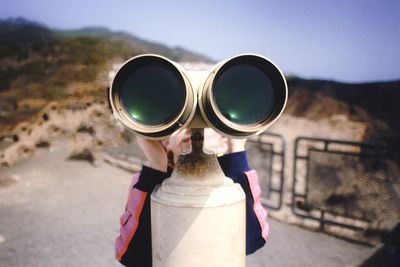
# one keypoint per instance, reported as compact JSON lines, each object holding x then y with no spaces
{"x":58,"y":212}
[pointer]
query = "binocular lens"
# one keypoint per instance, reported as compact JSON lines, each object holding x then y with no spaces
{"x":244,"y":94}
{"x":152,"y":95}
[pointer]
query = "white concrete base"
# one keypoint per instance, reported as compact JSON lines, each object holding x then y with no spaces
{"x":198,"y":225}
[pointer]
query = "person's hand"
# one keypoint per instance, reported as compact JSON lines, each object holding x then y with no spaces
{"x":160,"y":154}
{"x":236,"y":145}
{"x":178,"y":143}
{"x":221,"y":145}
{"x":155,"y":153}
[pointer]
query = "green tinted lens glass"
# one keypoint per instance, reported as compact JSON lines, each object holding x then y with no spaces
{"x":152,"y":94}
{"x":244,"y":94}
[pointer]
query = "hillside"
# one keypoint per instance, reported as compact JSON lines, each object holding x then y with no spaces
{"x":140,"y":45}
{"x":29,"y":51}
{"x":376,"y":104}
{"x":39,"y":64}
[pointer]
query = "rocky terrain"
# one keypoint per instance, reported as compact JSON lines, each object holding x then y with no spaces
{"x":374,"y":104}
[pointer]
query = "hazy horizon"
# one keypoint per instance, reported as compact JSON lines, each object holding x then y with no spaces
{"x":347,"y":42}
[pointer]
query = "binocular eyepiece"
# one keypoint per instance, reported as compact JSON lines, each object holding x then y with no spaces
{"x":239,"y":97}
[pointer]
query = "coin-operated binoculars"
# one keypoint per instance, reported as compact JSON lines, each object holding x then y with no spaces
{"x":198,"y":215}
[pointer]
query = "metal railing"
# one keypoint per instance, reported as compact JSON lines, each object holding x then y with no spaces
{"x":266,"y":154}
{"x":348,"y":184}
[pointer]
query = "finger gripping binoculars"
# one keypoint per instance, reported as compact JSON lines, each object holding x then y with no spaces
{"x":238,"y":97}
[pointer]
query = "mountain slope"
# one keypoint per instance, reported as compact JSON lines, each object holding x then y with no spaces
{"x":39,"y":64}
{"x":141,"y":45}
{"x":376,"y":104}
{"x":42,"y":62}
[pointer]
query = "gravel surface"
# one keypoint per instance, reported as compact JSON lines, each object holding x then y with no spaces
{"x":59,"y":212}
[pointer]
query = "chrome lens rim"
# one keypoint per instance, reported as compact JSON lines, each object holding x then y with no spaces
{"x":154,"y":131}
{"x":218,"y":121}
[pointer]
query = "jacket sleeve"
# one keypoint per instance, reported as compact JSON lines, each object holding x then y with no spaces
{"x":236,"y":167}
{"x":133,"y":245}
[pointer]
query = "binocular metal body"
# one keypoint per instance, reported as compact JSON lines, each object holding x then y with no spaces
{"x":238,"y":97}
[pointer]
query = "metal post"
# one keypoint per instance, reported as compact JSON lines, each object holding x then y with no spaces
{"x":198,"y":215}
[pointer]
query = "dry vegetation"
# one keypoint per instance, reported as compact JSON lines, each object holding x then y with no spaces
{"x":39,"y":65}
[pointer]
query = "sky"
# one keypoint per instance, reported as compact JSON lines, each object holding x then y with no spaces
{"x":348,"y":41}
